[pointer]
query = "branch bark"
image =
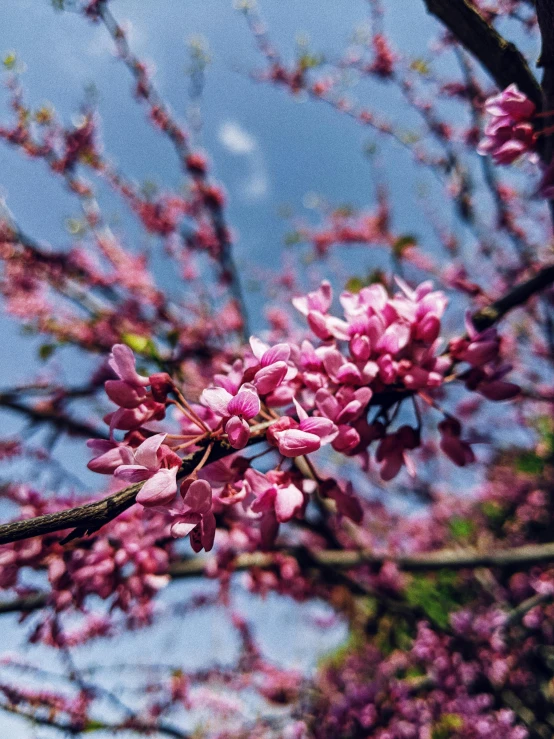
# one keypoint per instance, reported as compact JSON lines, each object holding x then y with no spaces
{"x":502,"y":60}
{"x":453,"y":559}
{"x":492,"y":313}
{"x":88,"y":518}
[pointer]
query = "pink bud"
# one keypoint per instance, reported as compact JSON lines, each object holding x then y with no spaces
{"x":160,"y":489}
{"x":238,"y":431}
{"x":295,"y":442}
{"x":268,"y":378}
{"x":124,"y":394}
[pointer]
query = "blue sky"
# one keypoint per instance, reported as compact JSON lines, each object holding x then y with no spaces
{"x":267,"y":148}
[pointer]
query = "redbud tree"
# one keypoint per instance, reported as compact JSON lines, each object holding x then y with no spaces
{"x":380,"y":447}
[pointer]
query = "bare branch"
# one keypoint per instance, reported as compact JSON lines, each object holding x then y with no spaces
{"x":492,"y":313}
{"x":502,"y":60}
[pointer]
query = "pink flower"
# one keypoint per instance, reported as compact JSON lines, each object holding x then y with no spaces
{"x":509,"y":132}
{"x":196,"y":517}
{"x":457,"y":450}
{"x":347,"y":503}
{"x":274,"y":492}
{"x":273,"y":363}
{"x":129,"y":391}
{"x":314,"y":306}
{"x":155,"y":463}
{"x":237,"y":409}
{"x":392,"y":452}
{"x":510,"y":103}
{"x":109,"y":456}
{"x":305,"y":437}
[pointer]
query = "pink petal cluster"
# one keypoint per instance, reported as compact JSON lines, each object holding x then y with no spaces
{"x":236,"y":410}
{"x":195,"y":516}
{"x":154,"y":462}
{"x":482,"y":351}
{"x":509,"y":131}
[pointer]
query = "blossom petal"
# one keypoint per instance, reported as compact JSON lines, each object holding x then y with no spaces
{"x":199,"y":496}
{"x":132,"y":472}
{"x":122,"y":361}
{"x":246,"y":402}
{"x":217,"y":399}
{"x":238,"y":432}
{"x":295,"y":442}
{"x":160,"y":489}
{"x":288,"y":501}
{"x":147,"y":453}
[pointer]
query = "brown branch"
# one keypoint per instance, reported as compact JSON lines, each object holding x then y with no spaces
{"x":492,"y":313}
{"x":545,"y":17}
{"x":86,"y":519}
{"x":453,"y":559}
{"x":502,"y":60}
{"x":78,"y":728}
{"x":60,"y":420}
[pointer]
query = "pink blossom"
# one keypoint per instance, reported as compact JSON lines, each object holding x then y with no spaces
{"x":196,"y":516}
{"x":392,"y":449}
{"x":237,"y":410}
{"x":509,"y":132}
{"x":274,"y":491}
{"x":108,"y":456}
{"x":460,"y":452}
{"x":157,"y":464}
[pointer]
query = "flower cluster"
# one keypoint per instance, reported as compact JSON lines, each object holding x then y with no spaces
{"x":509,"y":132}
{"x":297,"y":398}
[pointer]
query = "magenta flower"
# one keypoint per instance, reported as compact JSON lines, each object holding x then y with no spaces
{"x":108,"y":456}
{"x":155,"y":463}
{"x":305,"y":437}
{"x":479,"y":348}
{"x":314,"y":306}
{"x":273,"y":363}
{"x":237,"y":410}
{"x":452,"y":445}
{"x":509,"y":132}
{"x":196,"y":517}
{"x":392,"y":452}
{"x":129,"y":391}
{"x":274,"y":492}
{"x":510,"y":103}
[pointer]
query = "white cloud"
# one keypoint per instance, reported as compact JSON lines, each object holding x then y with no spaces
{"x":235,"y":139}
{"x":239,"y":142}
{"x":256,"y":186}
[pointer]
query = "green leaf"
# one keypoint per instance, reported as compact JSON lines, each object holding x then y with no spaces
{"x":10,"y":60}
{"x":448,"y":726}
{"x":141,"y":345}
{"x":292,"y":238}
{"x":529,"y":463}
{"x":462,"y":528}
{"x":420,"y":66}
{"x":309,"y":61}
{"x":45,"y":351}
{"x":93,"y":725}
{"x":402,"y":243}
{"x":437,"y":595}
{"x":355,"y":284}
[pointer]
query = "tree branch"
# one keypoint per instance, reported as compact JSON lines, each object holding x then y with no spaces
{"x":502,"y":60}
{"x":453,"y":559}
{"x":92,"y":516}
{"x":492,"y":313}
{"x":86,"y":519}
